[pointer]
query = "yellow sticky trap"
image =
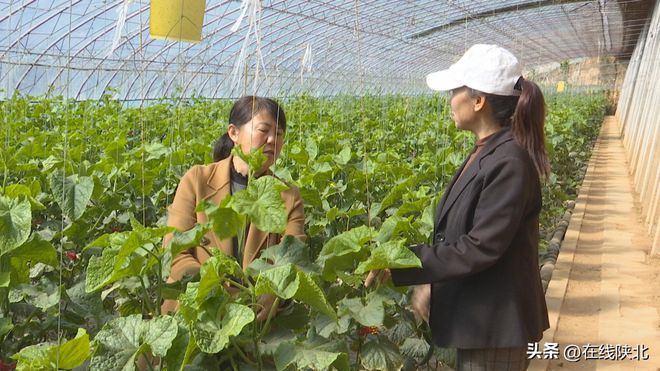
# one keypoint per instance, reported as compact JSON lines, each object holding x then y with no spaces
{"x":177,"y":20}
{"x":561,"y":86}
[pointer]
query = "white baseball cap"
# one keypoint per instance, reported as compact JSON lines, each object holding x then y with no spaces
{"x":487,"y":68}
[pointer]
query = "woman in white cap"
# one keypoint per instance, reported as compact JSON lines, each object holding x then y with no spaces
{"x":486,"y":297}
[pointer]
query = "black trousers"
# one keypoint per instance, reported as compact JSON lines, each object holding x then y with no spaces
{"x":495,"y":359}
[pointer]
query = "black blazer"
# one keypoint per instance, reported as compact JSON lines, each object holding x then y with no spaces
{"x":483,"y":263}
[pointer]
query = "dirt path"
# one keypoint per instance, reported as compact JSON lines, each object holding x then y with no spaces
{"x":606,"y":289}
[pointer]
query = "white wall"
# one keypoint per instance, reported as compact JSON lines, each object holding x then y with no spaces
{"x":638,"y":113}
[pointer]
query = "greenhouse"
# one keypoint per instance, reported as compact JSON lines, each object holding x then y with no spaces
{"x":329,"y":185}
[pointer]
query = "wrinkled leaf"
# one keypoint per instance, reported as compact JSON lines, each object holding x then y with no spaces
{"x":262,"y":203}
{"x":212,"y":333}
{"x":43,"y":295}
{"x":381,"y":355}
{"x":290,"y":250}
{"x":415,"y":348}
{"x":281,"y":281}
{"x":391,"y":254}
{"x":102,"y":271}
{"x":288,"y":354}
{"x":120,"y":341}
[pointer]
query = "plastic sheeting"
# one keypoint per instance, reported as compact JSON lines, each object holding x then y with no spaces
{"x":315,"y":47}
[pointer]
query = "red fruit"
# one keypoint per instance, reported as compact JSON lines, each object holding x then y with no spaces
{"x":366,"y":330}
{"x":7,"y":366}
{"x":71,"y":255}
{"x":115,"y":229}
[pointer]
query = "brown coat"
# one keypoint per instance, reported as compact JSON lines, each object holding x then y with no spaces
{"x":212,"y":182}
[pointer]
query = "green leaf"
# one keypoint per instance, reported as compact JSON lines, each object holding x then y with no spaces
{"x":341,"y":252}
{"x":344,"y":156}
{"x":70,"y":354}
{"x":397,"y":192}
{"x":104,"y":270}
{"x":394,"y":227}
{"x":15,"y":190}
{"x":415,"y":348}
{"x":391,"y":254}
{"x":5,"y":326}
{"x":262,"y":203}
{"x":255,"y":159}
{"x":281,"y":281}
{"x":213,"y":330}
{"x":74,"y":352}
{"x":176,"y":354}
{"x":99,"y":270}
{"x":4,"y":279}
{"x":310,"y":293}
{"x":156,"y":151}
{"x":290,"y":354}
{"x":15,"y":219}
{"x":226,"y":222}
{"x":120,"y":257}
{"x":212,"y":274}
{"x":43,"y":295}
{"x":120,"y":341}
{"x":290,"y":250}
{"x":371,"y":314}
{"x":185,"y":240}
{"x":72,"y":193}
{"x":35,"y":357}
{"x":381,"y":355}
{"x":348,"y":242}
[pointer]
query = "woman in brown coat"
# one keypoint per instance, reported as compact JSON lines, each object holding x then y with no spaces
{"x":254,"y":122}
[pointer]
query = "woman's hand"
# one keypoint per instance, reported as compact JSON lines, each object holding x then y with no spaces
{"x":421,"y":301}
{"x":265,"y":304}
{"x":379,"y":276}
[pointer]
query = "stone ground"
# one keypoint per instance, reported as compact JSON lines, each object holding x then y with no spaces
{"x":605,"y":289}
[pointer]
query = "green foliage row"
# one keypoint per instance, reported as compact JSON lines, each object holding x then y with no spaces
{"x":85,"y":186}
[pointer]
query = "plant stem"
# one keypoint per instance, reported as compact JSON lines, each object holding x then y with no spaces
{"x":147,"y":300}
{"x":357,"y":358}
{"x":241,"y":354}
{"x":271,"y":314}
{"x":238,"y":285}
{"x":256,"y":337}
{"x":158,"y":277}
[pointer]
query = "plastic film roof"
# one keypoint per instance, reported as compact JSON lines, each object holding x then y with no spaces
{"x":81,"y":48}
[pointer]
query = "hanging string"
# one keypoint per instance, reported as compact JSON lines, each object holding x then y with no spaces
{"x":142,"y":126}
{"x":65,"y":149}
{"x":364,"y":122}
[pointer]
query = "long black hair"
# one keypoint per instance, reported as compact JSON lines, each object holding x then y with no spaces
{"x":243,"y":110}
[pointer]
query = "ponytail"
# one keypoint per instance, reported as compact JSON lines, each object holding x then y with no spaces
{"x":525,"y":114}
{"x":222,"y":147}
{"x":527,"y":125}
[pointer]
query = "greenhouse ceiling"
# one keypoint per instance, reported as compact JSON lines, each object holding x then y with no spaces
{"x":82,"y":48}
